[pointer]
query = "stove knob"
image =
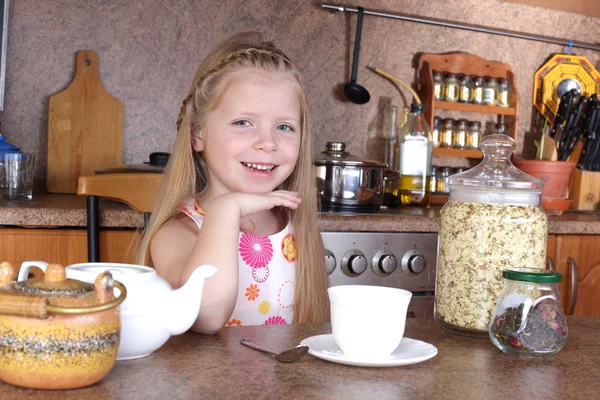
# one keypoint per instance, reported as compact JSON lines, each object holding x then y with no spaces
{"x":416,"y":264}
{"x":384,"y":263}
{"x":329,"y":261}
{"x":354,"y":263}
{"x":413,"y":263}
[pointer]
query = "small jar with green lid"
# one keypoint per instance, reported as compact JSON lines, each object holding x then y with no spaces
{"x":528,"y":319}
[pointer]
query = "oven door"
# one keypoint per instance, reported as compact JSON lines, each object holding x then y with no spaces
{"x":420,"y":306}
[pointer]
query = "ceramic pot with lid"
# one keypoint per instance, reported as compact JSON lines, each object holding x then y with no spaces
{"x":57,"y":333}
{"x":492,"y":221}
{"x":348,"y":183}
{"x":153,"y":311}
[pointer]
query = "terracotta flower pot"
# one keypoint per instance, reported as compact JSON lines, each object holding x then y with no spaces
{"x":555,"y":174}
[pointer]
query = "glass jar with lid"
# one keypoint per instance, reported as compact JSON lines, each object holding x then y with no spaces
{"x":442,"y":175}
{"x":447,"y":133}
{"x":492,"y":221}
{"x":473,"y":135}
{"x":490,"y":91}
{"x":435,"y":132}
{"x":438,"y":85}
{"x":459,"y":140}
{"x":450,"y":88}
{"x":503,"y":97}
{"x":528,"y":319}
{"x":464,"y":89}
{"x":477,"y":89}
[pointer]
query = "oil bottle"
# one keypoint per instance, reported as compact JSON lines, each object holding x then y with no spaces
{"x":415,"y":159}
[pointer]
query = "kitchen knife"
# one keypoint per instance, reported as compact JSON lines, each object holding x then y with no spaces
{"x":564,"y":108}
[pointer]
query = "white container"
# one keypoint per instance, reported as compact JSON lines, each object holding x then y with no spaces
{"x":368,"y":321}
{"x":152,"y":311}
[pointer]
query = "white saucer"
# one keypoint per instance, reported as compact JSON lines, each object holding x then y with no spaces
{"x":409,"y":351}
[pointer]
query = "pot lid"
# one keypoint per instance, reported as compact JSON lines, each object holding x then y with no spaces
{"x":6,"y":147}
{"x":335,"y":154}
{"x":53,"y":284}
{"x":496,"y":176}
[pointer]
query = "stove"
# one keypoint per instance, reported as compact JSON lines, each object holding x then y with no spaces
{"x":401,"y":260}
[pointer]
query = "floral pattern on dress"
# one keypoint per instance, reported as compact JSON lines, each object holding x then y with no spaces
{"x":288,"y":247}
{"x":252,"y":292}
{"x":264,"y":307}
{"x":266,"y":274}
{"x":260,"y":275}
{"x":256,"y":251}
{"x":198,"y":209}
{"x":285,"y":296}
{"x":275,"y":320}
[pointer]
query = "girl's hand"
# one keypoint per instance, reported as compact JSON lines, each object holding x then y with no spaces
{"x":249,"y":204}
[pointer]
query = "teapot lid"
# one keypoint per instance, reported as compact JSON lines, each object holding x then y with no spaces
{"x":496,"y":179}
{"x":336,"y":154}
{"x":54,"y":283}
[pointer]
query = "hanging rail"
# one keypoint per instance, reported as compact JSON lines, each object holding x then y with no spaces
{"x":468,"y":27}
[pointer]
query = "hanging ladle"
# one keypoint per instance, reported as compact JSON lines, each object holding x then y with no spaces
{"x":288,"y":356}
{"x":353,"y":91}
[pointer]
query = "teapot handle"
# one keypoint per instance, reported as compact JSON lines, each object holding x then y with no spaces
{"x":26,"y":266}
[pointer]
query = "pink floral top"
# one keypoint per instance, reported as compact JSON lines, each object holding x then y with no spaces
{"x":267,"y":274}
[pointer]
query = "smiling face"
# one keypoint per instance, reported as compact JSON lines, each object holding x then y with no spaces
{"x":251,"y":139}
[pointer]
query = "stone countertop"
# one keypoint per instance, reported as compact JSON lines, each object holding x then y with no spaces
{"x":192,"y":366}
{"x":63,"y":210}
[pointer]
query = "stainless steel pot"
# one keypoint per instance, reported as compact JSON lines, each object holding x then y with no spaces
{"x":347,"y":183}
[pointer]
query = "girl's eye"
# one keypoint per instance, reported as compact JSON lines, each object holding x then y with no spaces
{"x":285,"y":128}
{"x":242,"y":122}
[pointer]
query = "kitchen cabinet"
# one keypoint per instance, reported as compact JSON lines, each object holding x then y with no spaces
{"x":64,"y":246}
{"x":577,"y":258}
{"x":467,"y":64}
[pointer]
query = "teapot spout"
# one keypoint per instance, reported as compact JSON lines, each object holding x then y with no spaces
{"x":183,"y":305}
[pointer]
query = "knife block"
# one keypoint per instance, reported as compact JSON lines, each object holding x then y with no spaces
{"x":584,"y":189}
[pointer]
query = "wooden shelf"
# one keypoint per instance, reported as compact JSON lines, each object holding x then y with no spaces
{"x":436,"y":199}
{"x":468,"y":64}
{"x":446,"y":152}
{"x":478,"y":108}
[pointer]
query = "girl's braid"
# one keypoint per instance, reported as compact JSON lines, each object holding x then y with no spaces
{"x":269,"y":52}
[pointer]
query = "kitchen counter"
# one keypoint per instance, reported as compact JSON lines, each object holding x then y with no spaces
{"x":194,"y":366}
{"x":60,"y":210}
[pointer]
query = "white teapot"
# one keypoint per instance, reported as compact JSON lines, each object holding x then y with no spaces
{"x":152,"y":311}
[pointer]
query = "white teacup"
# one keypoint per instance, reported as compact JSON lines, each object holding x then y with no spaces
{"x":368,"y":321}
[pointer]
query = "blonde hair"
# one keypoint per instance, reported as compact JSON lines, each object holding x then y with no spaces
{"x":185,"y":175}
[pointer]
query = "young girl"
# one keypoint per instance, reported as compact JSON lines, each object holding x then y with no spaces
{"x":239,"y":193}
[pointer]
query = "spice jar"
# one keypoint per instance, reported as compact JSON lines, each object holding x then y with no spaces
{"x":492,"y":221}
{"x":442,"y":175}
{"x":529,"y":319}
{"x":464,"y":89}
{"x":490,"y":91}
{"x":459,"y":140}
{"x":502,"y":98}
{"x":447,"y":133}
{"x":435,"y":132}
{"x":433,"y":181}
{"x":477,"y":89}
{"x":438,"y":85}
{"x":450,"y":88}
{"x":473,"y":135}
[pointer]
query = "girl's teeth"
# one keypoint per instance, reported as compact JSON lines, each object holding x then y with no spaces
{"x":259,"y":166}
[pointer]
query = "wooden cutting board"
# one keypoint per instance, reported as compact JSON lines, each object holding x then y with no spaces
{"x":85,"y":128}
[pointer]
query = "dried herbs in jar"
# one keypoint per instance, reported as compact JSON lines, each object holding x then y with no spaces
{"x":529,"y":319}
{"x":492,"y":221}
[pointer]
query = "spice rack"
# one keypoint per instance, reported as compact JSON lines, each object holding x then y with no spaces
{"x":468,"y":64}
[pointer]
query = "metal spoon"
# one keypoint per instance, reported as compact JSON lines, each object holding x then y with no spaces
{"x":353,"y":91}
{"x":288,"y":356}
